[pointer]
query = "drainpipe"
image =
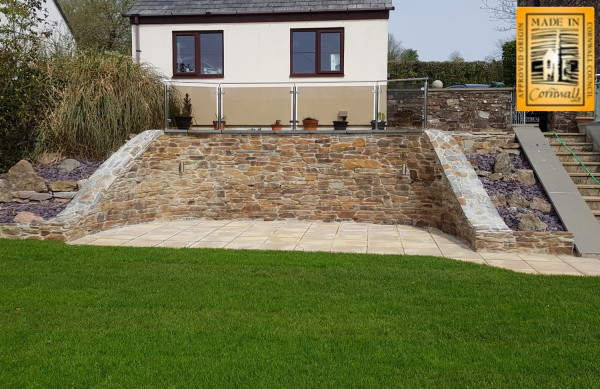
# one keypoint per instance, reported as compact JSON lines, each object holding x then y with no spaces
{"x":136,"y":40}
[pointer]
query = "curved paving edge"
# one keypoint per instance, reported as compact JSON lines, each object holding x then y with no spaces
{"x":474,"y":200}
{"x":115,"y":166}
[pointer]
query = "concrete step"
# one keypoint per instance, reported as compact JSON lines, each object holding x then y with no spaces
{"x":597,"y":215}
{"x":575,"y":167}
{"x":576,"y":147}
{"x":589,"y":190}
{"x":593,"y":202}
{"x":584,"y":178}
{"x":587,"y":156}
{"x":566,"y":138}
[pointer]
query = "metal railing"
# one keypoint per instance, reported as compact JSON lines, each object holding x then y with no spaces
{"x":295,"y":87}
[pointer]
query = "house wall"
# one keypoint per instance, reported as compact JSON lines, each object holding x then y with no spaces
{"x":260,"y":53}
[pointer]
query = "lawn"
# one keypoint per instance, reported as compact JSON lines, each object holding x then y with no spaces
{"x":108,"y":317}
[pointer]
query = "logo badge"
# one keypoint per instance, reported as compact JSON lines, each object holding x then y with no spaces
{"x":555,"y":59}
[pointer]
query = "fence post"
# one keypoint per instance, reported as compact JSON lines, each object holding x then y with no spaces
{"x":166,"y":106}
{"x":376,"y":93}
{"x":426,"y":91}
{"x":294,"y":92}
{"x":219,"y":107}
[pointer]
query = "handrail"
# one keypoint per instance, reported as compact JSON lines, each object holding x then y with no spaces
{"x":576,"y":157}
{"x":214,"y":83}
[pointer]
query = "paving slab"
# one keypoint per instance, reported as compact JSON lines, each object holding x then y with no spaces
{"x":301,"y":236}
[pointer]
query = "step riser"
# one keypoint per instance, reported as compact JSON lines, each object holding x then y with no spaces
{"x":584,"y":180}
{"x":574,"y":148}
{"x":583,"y":158}
{"x":567,"y":139}
{"x":598,"y":218}
{"x":580,"y":169}
{"x":590,"y":192}
{"x":594,"y":205}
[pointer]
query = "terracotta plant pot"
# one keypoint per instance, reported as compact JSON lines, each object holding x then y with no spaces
{"x":216,"y":125}
{"x":310,"y":124}
{"x":276,"y":127}
{"x":183,"y":122}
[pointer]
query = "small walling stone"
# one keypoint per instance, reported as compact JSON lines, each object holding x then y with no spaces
{"x":531,"y":222}
{"x":541,"y":205}
{"x":62,"y":186}
{"x":503,"y":164}
{"x":68,"y":165}
{"x":498,"y":199}
{"x":27,"y":217}
{"x":517,"y":200}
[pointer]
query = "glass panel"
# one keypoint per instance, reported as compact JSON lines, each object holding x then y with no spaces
{"x":330,"y":51}
{"x":211,"y":53}
{"x":186,"y":54}
{"x":304,"y":52}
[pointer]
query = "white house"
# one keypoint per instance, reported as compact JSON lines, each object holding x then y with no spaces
{"x":57,"y":33}
{"x":332,"y":51}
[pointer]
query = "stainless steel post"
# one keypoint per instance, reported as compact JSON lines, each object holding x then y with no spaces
{"x":294,"y":120}
{"x":376,"y":92}
{"x":219,"y":107}
{"x":166,"y":107}
{"x":425,"y":106}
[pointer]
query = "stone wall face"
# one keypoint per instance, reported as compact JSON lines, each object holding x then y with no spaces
{"x":472,"y":110}
{"x":301,"y":176}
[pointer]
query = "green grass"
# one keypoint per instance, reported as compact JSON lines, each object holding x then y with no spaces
{"x":106,"y":317}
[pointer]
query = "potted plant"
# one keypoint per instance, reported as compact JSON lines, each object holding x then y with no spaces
{"x":380,"y":123}
{"x":277,"y":125}
{"x":340,"y":125}
{"x":184,"y":122}
{"x":216,"y":123}
{"x":310,"y":124}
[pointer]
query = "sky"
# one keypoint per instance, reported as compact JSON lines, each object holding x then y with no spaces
{"x":436,"y":28}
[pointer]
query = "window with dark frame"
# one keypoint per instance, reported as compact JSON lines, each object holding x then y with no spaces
{"x":317,"y":52}
{"x":198,"y":54}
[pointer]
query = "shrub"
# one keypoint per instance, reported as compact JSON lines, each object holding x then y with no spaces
{"x":102,"y":98}
{"x":509,"y":62}
{"x":449,"y":72}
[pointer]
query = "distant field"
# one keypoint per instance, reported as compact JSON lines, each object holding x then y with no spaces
{"x":112,"y":317}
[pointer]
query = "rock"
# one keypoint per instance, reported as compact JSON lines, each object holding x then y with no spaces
{"x":531,"y":222}
{"x":25,"y":194}
{"x":496,"y":176}
{"x":511,"y":146}
{"x":5,"y":195}
{"x":27,"y":217}
{"x":498,"y":199}
{"x":540,"y":205}
{"x":21,"y":177}
{"x":40,"y":197}
{"x":526,"y":176}
{"x":64,"y":195}
{"x":483,"y":173}
{"x":68,"y":165}
{"x":81,"y":183}
{"x":48,"y":158}
{"x":62,"y":186}
{"x":503,"y":164}
{"x":517,"y":200}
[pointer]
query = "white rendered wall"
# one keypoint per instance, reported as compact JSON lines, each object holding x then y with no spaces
{"x":60,"y":34}
{"x":260,"y":52}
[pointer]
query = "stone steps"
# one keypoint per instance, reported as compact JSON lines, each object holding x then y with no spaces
{"x":587,"y":186}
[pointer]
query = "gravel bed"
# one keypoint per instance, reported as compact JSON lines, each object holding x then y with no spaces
{"x":51,"y":173}
{"x":509,"y":214}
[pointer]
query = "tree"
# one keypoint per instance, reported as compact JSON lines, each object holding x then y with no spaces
{"x":455,"y":56}
{"x":509,"y":62}
{"x":502,"y":11}
{"x":409,"y":55}
{"x":394,"y":48}
{"x":98,"y":24}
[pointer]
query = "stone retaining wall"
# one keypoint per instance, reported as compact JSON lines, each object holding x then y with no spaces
{"x":412,"y":178}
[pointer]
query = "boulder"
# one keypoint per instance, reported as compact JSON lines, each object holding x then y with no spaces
{"x":541,"y":205}
{"x":21,"y":177}
{"x":27,"y":217}
{"x":62,"y":186}
{"x":498,"y":199}
{"x":531,"y":222}
{"x":526,"y":176}
{"x":68,"y":165}
{"x":503,"y":164}
{"x":517,"y":200}
{"x":48,"y":158}
{"x":5,"y":194}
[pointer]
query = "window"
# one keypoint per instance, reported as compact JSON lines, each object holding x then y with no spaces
{"x":198,"y":54}
{"x":317,"y":52}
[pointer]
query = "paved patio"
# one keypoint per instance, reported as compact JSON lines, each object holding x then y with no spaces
{"x":344,"y":237}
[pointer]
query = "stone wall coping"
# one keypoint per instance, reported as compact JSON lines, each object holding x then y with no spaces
{"x":454,"y":90}
{"x":297,"y":132}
